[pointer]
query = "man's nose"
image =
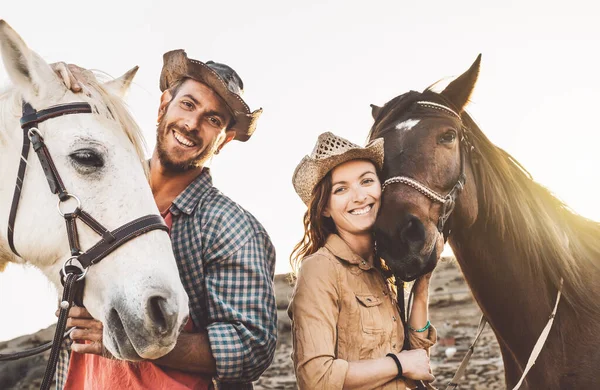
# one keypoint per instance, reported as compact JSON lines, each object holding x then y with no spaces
{"x":191,"y":124}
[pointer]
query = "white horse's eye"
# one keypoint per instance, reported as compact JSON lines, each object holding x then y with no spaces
{"x":87,"y":158}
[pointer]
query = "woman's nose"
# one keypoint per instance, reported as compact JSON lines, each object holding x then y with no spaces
{"x":360,"y":195}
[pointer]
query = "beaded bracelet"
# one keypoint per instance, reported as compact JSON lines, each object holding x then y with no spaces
{"x":423,"y":329}
{"x":397,"y":361}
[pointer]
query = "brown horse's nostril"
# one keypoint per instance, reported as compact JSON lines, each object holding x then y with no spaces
{"x":412,"y":233}
{"x":163,"y":316}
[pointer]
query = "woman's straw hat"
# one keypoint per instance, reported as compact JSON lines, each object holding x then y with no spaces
{"x":329,"y":152}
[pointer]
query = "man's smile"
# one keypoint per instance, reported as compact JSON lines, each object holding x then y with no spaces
{"x":183,"y":140}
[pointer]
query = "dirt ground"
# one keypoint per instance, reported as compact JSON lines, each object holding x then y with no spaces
{"x":453,"y":312}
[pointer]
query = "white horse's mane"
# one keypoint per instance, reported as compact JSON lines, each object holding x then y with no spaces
{"x":103,"y":102}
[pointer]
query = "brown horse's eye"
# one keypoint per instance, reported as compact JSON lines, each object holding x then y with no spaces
{"x":448,"y":137}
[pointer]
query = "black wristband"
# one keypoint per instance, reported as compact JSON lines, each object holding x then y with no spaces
{"x":397,"y":361}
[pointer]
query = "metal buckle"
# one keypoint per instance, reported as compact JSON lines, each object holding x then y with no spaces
{"x":31,"y":132}
{"x":67,"y":198}
{"x":69,"y":262}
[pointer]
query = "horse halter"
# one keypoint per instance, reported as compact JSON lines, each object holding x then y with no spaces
{"x":72,"y":274}
{"x":111,"y":240}
{"x":447,"y":201}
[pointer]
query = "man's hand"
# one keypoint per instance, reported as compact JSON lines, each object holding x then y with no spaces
{"x":87,"y":335}
{"x":70,"y":75}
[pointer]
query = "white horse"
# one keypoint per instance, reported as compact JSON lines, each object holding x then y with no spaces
{"x":99,"y":157}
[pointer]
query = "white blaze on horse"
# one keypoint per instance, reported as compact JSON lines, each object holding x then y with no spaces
{"x":515,"y":242}
{"x":135,"y":291}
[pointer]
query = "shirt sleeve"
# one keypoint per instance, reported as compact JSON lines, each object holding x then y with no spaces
{"x":314,"y":311}
{"x":417,"y":342}
{"x":62,"y":365}
{"x":242,"y":323}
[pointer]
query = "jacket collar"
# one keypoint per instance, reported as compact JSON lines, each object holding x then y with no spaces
{"x":342,"y":251}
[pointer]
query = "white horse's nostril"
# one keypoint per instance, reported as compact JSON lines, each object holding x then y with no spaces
{"x":162,"y":313}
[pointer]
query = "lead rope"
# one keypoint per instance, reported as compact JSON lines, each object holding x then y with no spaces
{"x":65,"y":305}
{"x":537,"y":348}
{"x":404,"y":315}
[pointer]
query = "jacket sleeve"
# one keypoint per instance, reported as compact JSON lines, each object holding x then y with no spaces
{"x":314,"y":311}
{"x":417,"y":342}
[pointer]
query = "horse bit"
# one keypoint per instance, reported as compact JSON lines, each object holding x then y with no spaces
{"x":74,"y":270}
{"x":448,"y":202}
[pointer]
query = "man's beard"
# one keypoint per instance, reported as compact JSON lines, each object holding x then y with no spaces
{"x":167,"y":162}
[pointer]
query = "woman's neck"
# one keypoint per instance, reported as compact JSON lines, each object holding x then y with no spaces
{"x":361,"y":244}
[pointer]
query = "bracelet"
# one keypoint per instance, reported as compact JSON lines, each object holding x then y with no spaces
{"x":397,"y":361}
{"x":423,"y":329}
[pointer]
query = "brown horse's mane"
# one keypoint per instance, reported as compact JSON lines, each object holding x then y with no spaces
{"x":560,"y":243}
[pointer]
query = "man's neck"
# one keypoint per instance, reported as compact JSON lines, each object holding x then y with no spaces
{"x":167,"y":185}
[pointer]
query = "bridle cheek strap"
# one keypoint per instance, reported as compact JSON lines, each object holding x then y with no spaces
{"x":111,"y":240}
{"x":447,"y":201}
{"x":72,"y":274}
{"x":30,"y":119}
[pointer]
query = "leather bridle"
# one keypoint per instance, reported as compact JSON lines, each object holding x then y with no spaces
{"x":447,"y":201}
{"x":76,"y":267}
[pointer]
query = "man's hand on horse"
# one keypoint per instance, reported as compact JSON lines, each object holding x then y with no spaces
{"x":87,"y":335}
{"x":70,"y":75}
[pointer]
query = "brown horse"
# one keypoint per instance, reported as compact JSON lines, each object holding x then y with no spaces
{"x":512,"y":238}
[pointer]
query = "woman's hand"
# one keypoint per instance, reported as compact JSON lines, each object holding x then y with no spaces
{"x":421,"y":287}
{"x":415,"y":365}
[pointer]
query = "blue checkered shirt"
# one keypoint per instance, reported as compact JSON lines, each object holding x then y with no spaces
{"x":226,"y":262}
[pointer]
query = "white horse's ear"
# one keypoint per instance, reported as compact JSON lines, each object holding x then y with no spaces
{"x":121,"y":85}
{"x":27,"y":70}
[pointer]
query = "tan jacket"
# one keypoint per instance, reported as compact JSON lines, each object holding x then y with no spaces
{"x":343,"y":310}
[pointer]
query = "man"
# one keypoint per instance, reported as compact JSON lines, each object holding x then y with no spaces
{"x":225,"y":257}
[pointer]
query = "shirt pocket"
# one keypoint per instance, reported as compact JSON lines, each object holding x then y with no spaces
{"x":371,"y":318}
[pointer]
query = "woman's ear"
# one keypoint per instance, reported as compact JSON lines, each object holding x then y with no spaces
{"x":327,"y":213}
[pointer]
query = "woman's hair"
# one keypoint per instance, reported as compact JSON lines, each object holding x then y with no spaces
{"x":317,"y":227}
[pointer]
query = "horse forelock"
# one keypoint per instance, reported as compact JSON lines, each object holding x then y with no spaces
{"x":560,"y":243}
{"x":104,"y":104}
{"x":399,"y":106}
{"x":113,"y":107}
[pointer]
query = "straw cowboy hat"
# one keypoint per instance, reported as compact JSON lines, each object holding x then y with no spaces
{"x":329,"y":152}
{"x":219,"y":77}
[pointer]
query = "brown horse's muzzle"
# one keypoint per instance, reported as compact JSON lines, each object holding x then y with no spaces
{"x":409,"y":248}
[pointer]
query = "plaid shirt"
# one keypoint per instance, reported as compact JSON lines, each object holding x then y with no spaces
{"x":226,"y":262}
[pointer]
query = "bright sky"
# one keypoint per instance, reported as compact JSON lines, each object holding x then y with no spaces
{"x":315,"y":66}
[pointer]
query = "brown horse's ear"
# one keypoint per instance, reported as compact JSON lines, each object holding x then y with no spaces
{"x":459,"y":91}
{"x":375,"y":110}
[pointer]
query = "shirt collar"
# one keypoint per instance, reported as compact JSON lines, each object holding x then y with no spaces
{"x":188,"y":199}
{"x":341,"y":250}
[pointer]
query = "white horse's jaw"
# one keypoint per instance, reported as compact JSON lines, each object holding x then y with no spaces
{"x":135,"y":291}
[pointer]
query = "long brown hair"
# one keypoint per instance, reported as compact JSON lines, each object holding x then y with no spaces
{"x":317,"y":227}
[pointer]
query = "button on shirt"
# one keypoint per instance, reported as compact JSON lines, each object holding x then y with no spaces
{"x":226,"y":262}
{"x":342,"y":311}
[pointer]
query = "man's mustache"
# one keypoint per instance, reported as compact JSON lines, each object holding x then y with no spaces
{"x":186,"y":134}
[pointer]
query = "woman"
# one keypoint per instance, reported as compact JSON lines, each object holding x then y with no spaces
{"x":346,"y":329}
